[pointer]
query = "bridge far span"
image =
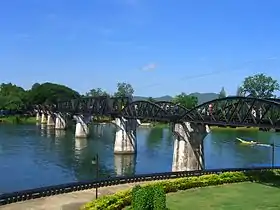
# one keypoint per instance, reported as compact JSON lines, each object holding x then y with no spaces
{"x":189,"y":126}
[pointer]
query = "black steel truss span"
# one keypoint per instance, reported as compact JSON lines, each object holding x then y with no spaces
{"x":174,"y":110}
{"x":230,"y":111}
{"x":77,"y":186}
{"x":236,"y":111}
{"x":97,"y":106}
{"x":145,"y":110}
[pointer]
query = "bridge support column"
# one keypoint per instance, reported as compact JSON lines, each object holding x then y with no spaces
{"x":60,"y":122}
{"x":38,"y":117}
{"x":188,"y":147}
{"x":50,"y":121}
{"x":82,"y":129}
{"x":125,"y":139}
{"x":43,"y":119}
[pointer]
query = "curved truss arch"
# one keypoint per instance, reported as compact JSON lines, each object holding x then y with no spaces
{"x":172,"y":108}
{"x":144,"y":110}
{"x":236,"y":111}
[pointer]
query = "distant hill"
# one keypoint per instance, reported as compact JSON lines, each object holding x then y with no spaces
{"x":202,"y":97}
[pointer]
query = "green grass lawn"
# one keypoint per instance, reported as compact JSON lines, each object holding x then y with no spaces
{"x":247,"y":196}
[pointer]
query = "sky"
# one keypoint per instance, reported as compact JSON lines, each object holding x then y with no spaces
{"x":160,"y":47}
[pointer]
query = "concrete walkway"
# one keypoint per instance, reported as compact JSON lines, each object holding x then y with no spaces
{"x":68,"y":201}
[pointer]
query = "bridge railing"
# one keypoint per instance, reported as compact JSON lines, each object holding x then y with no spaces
{"x":77,"y":186}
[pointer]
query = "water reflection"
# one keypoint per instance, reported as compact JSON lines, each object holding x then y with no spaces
{"x":124,"y":164}
{"x":60,"y":134}
{"x":80,"y":144}
{"x":155,"y":138}
{"x":43,"y":129}
{"x":34,"y":156}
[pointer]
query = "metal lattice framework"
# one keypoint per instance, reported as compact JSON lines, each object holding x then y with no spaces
{"x":145,"y":110}
{"x":98,"y":106}
{"x":230,"y":111}
{"x":174,"y":110}
{"x":236,"y":111}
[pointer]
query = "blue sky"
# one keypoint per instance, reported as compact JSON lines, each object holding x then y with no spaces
{"x":159,"y":46}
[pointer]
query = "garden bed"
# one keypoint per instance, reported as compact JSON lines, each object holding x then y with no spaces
{"x":257,"y":179}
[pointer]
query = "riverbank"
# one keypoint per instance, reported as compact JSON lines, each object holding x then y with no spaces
{"x":18,"y":120}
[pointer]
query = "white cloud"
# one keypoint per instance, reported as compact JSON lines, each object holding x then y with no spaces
{"x":149,"y":67}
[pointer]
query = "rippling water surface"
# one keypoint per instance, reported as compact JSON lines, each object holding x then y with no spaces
{"x":32,"y":157}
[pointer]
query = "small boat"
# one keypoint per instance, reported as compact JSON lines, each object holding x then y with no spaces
{"x":246,"y":142}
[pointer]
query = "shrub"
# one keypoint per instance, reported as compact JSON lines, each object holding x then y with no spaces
{"x":134,"y":193}
{"x":144,"y":198}
{"x":121,"y":199}
{"x":149,"y":197}
{"x":159,"y":198}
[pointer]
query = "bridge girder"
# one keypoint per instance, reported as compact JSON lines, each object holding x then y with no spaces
{"x":175,"y":110}
{"x":229,"y":111}
{"x":144,"y":110}
{"x":236,"y":111}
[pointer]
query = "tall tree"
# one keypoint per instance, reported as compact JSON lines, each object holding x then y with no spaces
{"x":13,"y":97}
{"x":51,"y":93}
{"x":124,"y":90}
{"x":188,"y":101}
{"x":239,"y":91}
{"x":260,"y":85}
{"x":97,"y":92}
{"x":222,"y":93}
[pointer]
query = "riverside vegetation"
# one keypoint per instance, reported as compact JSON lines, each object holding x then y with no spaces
{"x":152,"y":196}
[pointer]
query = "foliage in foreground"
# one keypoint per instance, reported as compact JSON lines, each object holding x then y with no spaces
{"x":148,"y":197}
{"x":122,"y":199}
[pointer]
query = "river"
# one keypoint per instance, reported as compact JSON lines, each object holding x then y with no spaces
{"x":33,"y":157}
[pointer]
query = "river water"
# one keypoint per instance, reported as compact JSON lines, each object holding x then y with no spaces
{"x":33,"y":157}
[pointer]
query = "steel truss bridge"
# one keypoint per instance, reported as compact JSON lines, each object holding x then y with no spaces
{"x":229,"y":111}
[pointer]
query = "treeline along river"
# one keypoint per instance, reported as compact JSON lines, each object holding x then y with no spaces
{"x":33,"y":157}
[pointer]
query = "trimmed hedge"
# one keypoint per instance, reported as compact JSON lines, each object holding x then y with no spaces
{"x":124,"y":198}
{"x":148,"y":197}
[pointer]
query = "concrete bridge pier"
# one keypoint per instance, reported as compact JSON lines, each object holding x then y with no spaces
{"x":125,"y":139}
{"x":43,"y":118}
{"x":188,"y":146}
{"x":38,"y":116}
{"x":50,"y":120}
{"x":82,"y":129}
{"x":60,"y":122}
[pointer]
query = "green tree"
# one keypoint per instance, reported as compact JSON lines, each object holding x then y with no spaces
{"x":51,"y":93}
{"x":222,"y":93}
{"x":124,"y":90}
{"x":12,"y":97}
{"x":35,"y":85}
{"x":239,"y":91}
{"x":260,"y":85}
{"x":185,"y":100}
{"x":97,"y":92}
